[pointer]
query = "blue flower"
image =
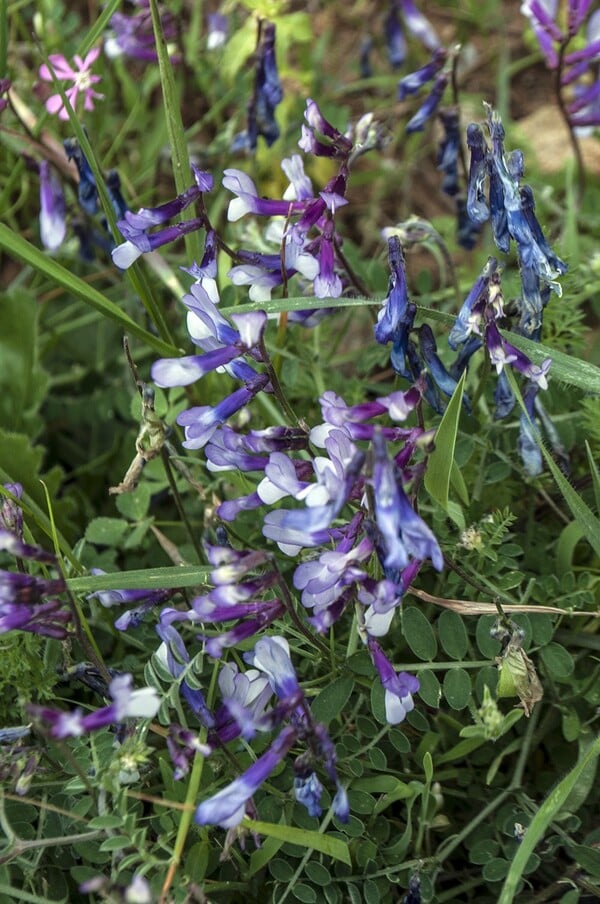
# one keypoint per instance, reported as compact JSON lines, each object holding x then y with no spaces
{"x":228,"y":807}
{"x":392,"y":315}
{"x":404,"y":532}
{"x":53,"y":226}
{"x":398,"y":686}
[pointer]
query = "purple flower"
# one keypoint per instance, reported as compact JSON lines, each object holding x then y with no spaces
{"x":336,"y":145}
{"x":146,"y":599}
{"x":308,"y":791}
{"x":127,"y":703}
{"x":394,"y":36}
{"x":133,"y":35}
{"x":528,"y":444}
{"x":412,"y":83}
{"x":174,"y":655}
{"x":393,"y":312}
{"x":134,"y":226}
{"x":218,"y":28}
{"x":398,"y":686}
{"x":87,"y":193}
{"x":429,"y":106}
{"x":201,"y":422}
{"x":404,"y":532}
{"x":11,"y":515}
{"x":81,"y":77}
{"x":52,"y":209}
{"x":419,"y":25}
{"x":271,"y":655}
{"x":486,"y":289}
{"x":448,"y":151}
{"x":23,"y":606}
{"x":227,"y":808}
{"x":186,"y":370}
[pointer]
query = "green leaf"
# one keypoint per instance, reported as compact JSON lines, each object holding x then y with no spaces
{"x":588,"y":858}
{"x":589,"y":523}
{"x":542,"y":820}
{"x":439,"y":466}
{"x":495,"y":870}
{"x":23,"y":383}
{"x":116,"y":843}
{"x":16,"y":245}
{"x":452,"y":634}
{"x":565,"y":547}
{"x":558,"y":661}
{"x":567,"y":368}
{"x":307,"y":840}
{"x":106,"y":531}
{"x":430,"y":691}
{"x":328,"y":705}
{"x":595,"y":475}
{"x":143,"y":579}
{"x":419,"y":633}
{"x":457,"y":688}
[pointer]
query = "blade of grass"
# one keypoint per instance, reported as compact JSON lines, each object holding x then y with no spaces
{"x":144,"y":579}
{"x":179,"y":152}
{"x":16,"y":245}
{"x":581,"y":512}
{"x":541,"y":821}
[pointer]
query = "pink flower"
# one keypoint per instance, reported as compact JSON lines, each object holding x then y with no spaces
{"x":81,"y":77}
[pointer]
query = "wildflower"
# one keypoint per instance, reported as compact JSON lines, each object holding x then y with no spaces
{"x":404,"y":533}
{"x":392,"y":314}
{"x":419,"y":25}
{"x":52,"y":209}
{"x":127,"y":703}
{"x":398,"y":686}
{"x":5,"y":84}
{"x":134,"y":226}
{"x":394,"y":36}
{"x":228,"y":807}
{"x":218,"y":28}
{"x":448,"y":151}
{"x":82,"y":79}
{"x":335,"y":145}
{"x":527,"y":443}
{"x":267,"y":93}
{"x":87,"y":192}
{"x":174,"y":655}
{"x":133,"y":35}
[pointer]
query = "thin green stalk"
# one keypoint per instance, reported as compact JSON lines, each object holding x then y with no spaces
{"x":189,"y":803}
{"x":179,"y":152}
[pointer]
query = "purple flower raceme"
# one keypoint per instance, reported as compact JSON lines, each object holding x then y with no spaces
{"x":127,"y":704}
{"x":579,"y":68}
{"x":134,"y":226}
{"x":512,"y":211}
{"x":27,"y":601}
{"x":271,"y":658}
{"x":404,"y":533}
{"x":267,"y":94}
{"x":53,"y":226}
{"x":133,"y":36}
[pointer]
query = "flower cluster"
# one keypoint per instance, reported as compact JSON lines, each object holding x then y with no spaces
{"x":511,"y":209}
{"x":578,"y":69}
{"x":28,"y":602}
{"x":267,"y":94}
